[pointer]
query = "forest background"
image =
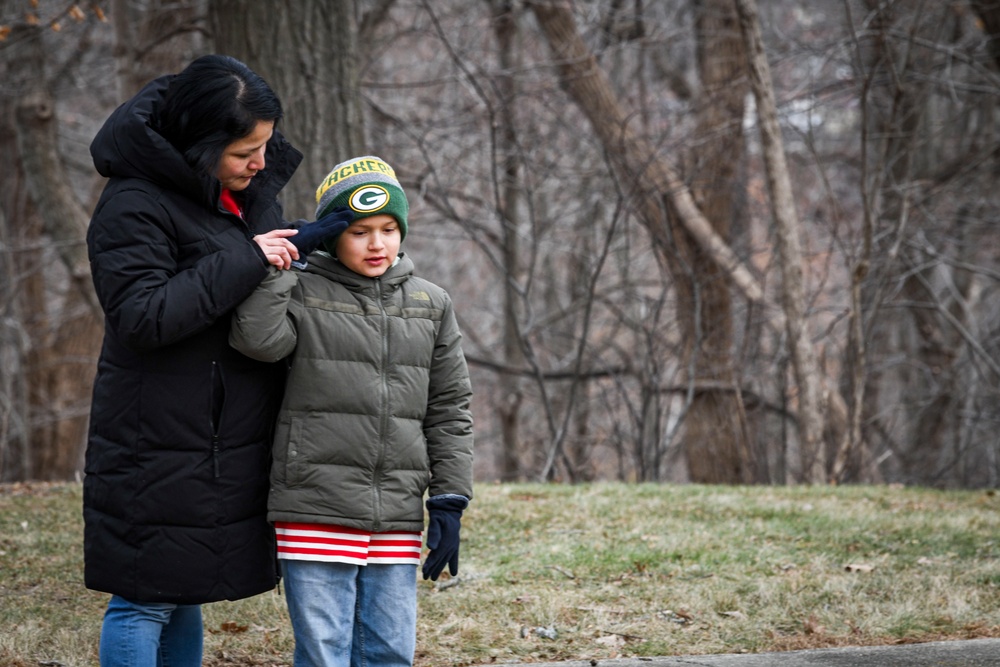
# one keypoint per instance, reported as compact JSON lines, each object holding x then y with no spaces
{"x":716,"y":241}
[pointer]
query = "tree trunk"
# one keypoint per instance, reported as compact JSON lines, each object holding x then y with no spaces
{"x":308,"y":52}
{"x":714,"y":440}
{"x":15,"y":412}
{"x":931,"y":394}
{"x":61,"y":341}
{"x":142,"y":35}
{"x":508,"y":198}
{"x":64,"y":218}
{"x":808,"y":381}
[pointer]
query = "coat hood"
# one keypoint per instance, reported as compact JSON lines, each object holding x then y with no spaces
{"x":128,"y":146}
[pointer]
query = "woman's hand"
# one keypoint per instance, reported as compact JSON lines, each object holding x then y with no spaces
{"x":277,"y":248}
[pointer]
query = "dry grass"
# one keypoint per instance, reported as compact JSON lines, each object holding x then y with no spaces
{"x":553,"y":572}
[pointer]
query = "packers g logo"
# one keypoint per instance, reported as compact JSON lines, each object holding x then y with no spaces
{"x":369,"y":198}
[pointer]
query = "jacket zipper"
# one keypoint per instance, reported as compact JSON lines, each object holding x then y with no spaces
{"x":384,"y":408}
{"x":240,"y":217}
{"x":213,"y":422}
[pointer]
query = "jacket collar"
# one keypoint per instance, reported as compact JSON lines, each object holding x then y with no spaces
{"x":325,"y":265}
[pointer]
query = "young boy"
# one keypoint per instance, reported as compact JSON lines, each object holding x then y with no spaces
{"x":375,"y":414}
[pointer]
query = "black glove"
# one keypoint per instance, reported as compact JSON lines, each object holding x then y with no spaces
{"x":312,"y":234}
{"x":442,"y":534}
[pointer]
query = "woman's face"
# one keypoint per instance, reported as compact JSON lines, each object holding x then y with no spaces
{"x":243,"y":158}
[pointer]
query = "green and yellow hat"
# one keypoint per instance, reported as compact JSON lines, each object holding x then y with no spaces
{"x":367,"y":186}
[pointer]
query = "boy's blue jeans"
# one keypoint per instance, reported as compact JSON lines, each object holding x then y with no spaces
{"x":148,"y":634}
{"x":350,"y":615}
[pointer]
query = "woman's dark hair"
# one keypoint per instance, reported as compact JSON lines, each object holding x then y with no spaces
{"x":214,"y":101}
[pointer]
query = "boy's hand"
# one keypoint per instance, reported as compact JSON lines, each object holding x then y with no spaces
{"x":312,"y":234}
{"x":443,"y":527}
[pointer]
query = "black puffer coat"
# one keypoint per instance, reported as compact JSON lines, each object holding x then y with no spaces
{"x":177,"y":461}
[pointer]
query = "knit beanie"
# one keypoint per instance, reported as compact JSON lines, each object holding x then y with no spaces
{"x":367,"y":186}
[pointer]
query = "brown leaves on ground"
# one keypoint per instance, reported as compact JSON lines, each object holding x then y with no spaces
{"x":235,"y":658}
{"x":28,"y":488}
{"x":813,"y":627}
{"x":233,"y":627}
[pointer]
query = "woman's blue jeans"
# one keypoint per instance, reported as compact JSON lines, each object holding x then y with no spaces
{"x":350,"y":615}
{"x":148,"y":634}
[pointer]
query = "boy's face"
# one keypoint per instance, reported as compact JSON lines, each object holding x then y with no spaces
{"x":370,"y":245}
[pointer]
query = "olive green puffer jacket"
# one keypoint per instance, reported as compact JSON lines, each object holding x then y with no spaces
{"x":376,"y":407}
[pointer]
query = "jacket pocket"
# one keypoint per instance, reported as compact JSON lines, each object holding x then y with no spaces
{"x":279,"y":451}
{"x":288,"y":459}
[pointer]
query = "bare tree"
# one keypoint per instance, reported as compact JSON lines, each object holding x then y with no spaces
{"x":589,"y":88}
{"x":624,"y":265}
{"x":715,"y":434}
{"x":507,"y":187}
{"x":308,"y":52}
{"x":56,"y":64}
{"x":53,"y":313}
{"x":927,"y":365}
{"x":787,"y":238}
{"x":152,"y":37}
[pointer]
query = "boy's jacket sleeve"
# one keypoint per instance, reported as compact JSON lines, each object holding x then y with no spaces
{"x":262,"y":326}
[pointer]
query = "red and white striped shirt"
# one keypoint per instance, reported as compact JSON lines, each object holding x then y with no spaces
{"x":338,"y":544}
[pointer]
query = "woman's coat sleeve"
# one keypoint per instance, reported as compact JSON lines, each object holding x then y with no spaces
{"x":150,"y":298}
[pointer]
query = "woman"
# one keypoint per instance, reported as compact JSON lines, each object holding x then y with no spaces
{"x":181,"y":424}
